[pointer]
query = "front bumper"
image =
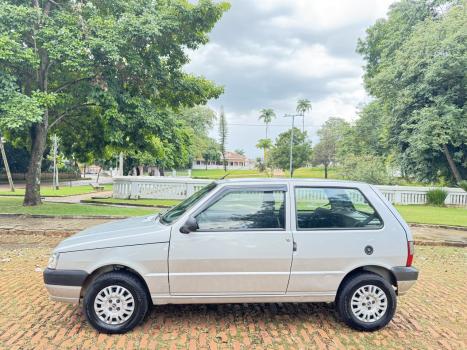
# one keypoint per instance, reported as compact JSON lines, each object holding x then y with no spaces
{"x":64,"y":285}
{"x":406,"y":278}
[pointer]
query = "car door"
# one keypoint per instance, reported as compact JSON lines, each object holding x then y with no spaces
{"x":243,"y":245}
{"x":337,"y":229}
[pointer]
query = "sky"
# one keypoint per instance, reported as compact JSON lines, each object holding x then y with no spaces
{"x":270,"y":53}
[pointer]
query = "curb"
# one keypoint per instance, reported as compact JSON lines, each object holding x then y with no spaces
{"x":460,"y":228}
{"x":116,"y":204}
{"x":440,"y":244}
{"x":46,"y":216}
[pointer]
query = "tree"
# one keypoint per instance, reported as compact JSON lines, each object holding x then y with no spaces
{"x":415,"y":69}
{"x":240,"y":151}
{"x":267,"y":115}
{"x":200,"y":119}
{"x":280,"y":153}
{"x":119,"y":60}
{"x":211,"y":152}
{"x":223,"y":136}
{"x":303,"y":106}
{"x":265,"y":145}
{"x":330,"y":134}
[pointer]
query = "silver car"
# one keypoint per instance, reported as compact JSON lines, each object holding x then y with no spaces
{"x":243,"y":241}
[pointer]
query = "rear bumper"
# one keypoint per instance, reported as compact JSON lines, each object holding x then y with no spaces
{"x":406,"y":278}
{"x":64,"y":285}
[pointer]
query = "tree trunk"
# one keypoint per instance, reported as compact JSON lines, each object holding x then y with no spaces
{"x":325,"y":171}
{"x":452,"y":165}
{"x":32,"y":195}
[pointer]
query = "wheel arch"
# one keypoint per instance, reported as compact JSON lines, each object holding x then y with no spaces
{"x":109,"y":268}
{"x":377,"y":270}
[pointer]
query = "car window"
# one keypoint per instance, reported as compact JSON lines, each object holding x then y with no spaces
{"x":334,"y":208}
{"x":245,"y":210}
{"x":177,"y":211}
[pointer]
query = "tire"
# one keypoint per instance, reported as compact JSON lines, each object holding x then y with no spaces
{"x":374,"y":302}
{"x":115,"y":302}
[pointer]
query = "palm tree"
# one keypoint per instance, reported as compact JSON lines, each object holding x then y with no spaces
{"x":264,"y":144}
{"x":267,"y":115}
{"x":303,"y":106}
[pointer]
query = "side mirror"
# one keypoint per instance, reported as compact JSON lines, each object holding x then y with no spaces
{"x":190,"y":225}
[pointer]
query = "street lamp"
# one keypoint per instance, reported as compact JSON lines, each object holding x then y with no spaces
{"x":5,"y":161}
{"x":291,"y":140}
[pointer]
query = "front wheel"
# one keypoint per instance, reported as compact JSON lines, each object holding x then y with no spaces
{"x":366,"y":302}
{"x":115,"y":302}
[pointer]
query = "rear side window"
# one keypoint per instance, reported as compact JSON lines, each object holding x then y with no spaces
{"x":327,"y":208}
{"x":245,"y":210}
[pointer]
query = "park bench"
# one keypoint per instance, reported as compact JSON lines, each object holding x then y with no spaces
{"x":97,"y":187}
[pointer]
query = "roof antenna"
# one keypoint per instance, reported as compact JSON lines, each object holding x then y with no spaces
{"x":223,"y":177}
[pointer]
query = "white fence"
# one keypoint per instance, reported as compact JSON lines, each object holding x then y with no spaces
{"x":154,"y":187}
{"x":180,"y":188}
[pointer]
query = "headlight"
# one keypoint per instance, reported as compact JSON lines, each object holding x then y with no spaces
{"x":53,"y":260}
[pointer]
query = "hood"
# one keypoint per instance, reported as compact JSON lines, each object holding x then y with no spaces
{"x":133,"y":231}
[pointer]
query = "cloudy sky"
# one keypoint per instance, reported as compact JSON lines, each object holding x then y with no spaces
{"x":269,"y":53}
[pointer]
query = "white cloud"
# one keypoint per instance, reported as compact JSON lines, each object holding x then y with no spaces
{"x":323,"y":15}
{"x":269,"y":53}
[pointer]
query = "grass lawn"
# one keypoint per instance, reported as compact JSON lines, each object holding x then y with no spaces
{"x":136,"y":202}
{"x":218,"y":173}
{"x":424,"y":214}
{"x":299,"y":173}
{"x":48,"y":191}
{"x":14,"y":206}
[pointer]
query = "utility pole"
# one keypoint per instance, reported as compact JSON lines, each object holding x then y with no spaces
{"x":7,"y":168}
{"x":55,"y":150}
{"x":291,"y":140}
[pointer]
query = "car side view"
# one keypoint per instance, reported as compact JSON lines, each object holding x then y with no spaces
{"x":243,"y":241}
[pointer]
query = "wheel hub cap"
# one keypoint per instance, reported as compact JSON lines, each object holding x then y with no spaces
{"x":369,"y":303}
{"x":114,"y":305}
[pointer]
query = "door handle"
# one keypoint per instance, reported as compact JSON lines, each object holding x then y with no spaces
{"x":294,"y":246}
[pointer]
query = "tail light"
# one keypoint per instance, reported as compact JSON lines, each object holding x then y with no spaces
{"x":410,"y":252}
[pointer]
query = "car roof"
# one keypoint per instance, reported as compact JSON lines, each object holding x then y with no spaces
{"x":287,"y":180}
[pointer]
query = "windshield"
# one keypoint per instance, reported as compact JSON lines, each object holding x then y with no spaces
{"x":180,"y":209}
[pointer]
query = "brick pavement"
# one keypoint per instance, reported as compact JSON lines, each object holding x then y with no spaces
{"x":431,"y":316}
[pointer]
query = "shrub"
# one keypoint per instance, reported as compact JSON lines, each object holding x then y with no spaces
{"x":436,"y":196}
{"x":370,"y":169}
{"x":463,"y":185}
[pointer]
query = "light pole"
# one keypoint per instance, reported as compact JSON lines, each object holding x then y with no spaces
{"x":5,"y":161}
{"x":291,"y":141}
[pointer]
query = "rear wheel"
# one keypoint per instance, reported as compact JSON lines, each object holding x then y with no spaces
{"x":115,"y":302}
{"x":366,"y":302}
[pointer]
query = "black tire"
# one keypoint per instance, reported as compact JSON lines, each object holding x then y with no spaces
{"x":344,"y":305}
{"x":123,"y":279}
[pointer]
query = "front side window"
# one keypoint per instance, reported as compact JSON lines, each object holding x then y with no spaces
{"x":245,"y":210}
{"x":180,"y":209}
{"x":326,"y":208}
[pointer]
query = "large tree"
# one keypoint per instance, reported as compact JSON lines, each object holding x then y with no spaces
{"x":415,"y":68}
{"x":119,"y":61}
{"x":330,"y":134}
{"x":280,"y":153}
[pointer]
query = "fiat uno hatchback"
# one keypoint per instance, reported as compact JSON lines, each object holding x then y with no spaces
{"x":243,"y":241}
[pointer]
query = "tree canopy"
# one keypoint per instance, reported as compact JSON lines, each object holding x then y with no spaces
{"x":107,"y":71}
{"x":415,"y":70}
{"x":280,"y":152}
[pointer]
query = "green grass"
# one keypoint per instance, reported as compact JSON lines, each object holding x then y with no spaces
{"x":299,"y":173}
{"x":140,"y":202}
{"x":14,"y":205}
{"x":218,"y":173}
{"x":424,"y":214}
{"x":47,"y":191}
